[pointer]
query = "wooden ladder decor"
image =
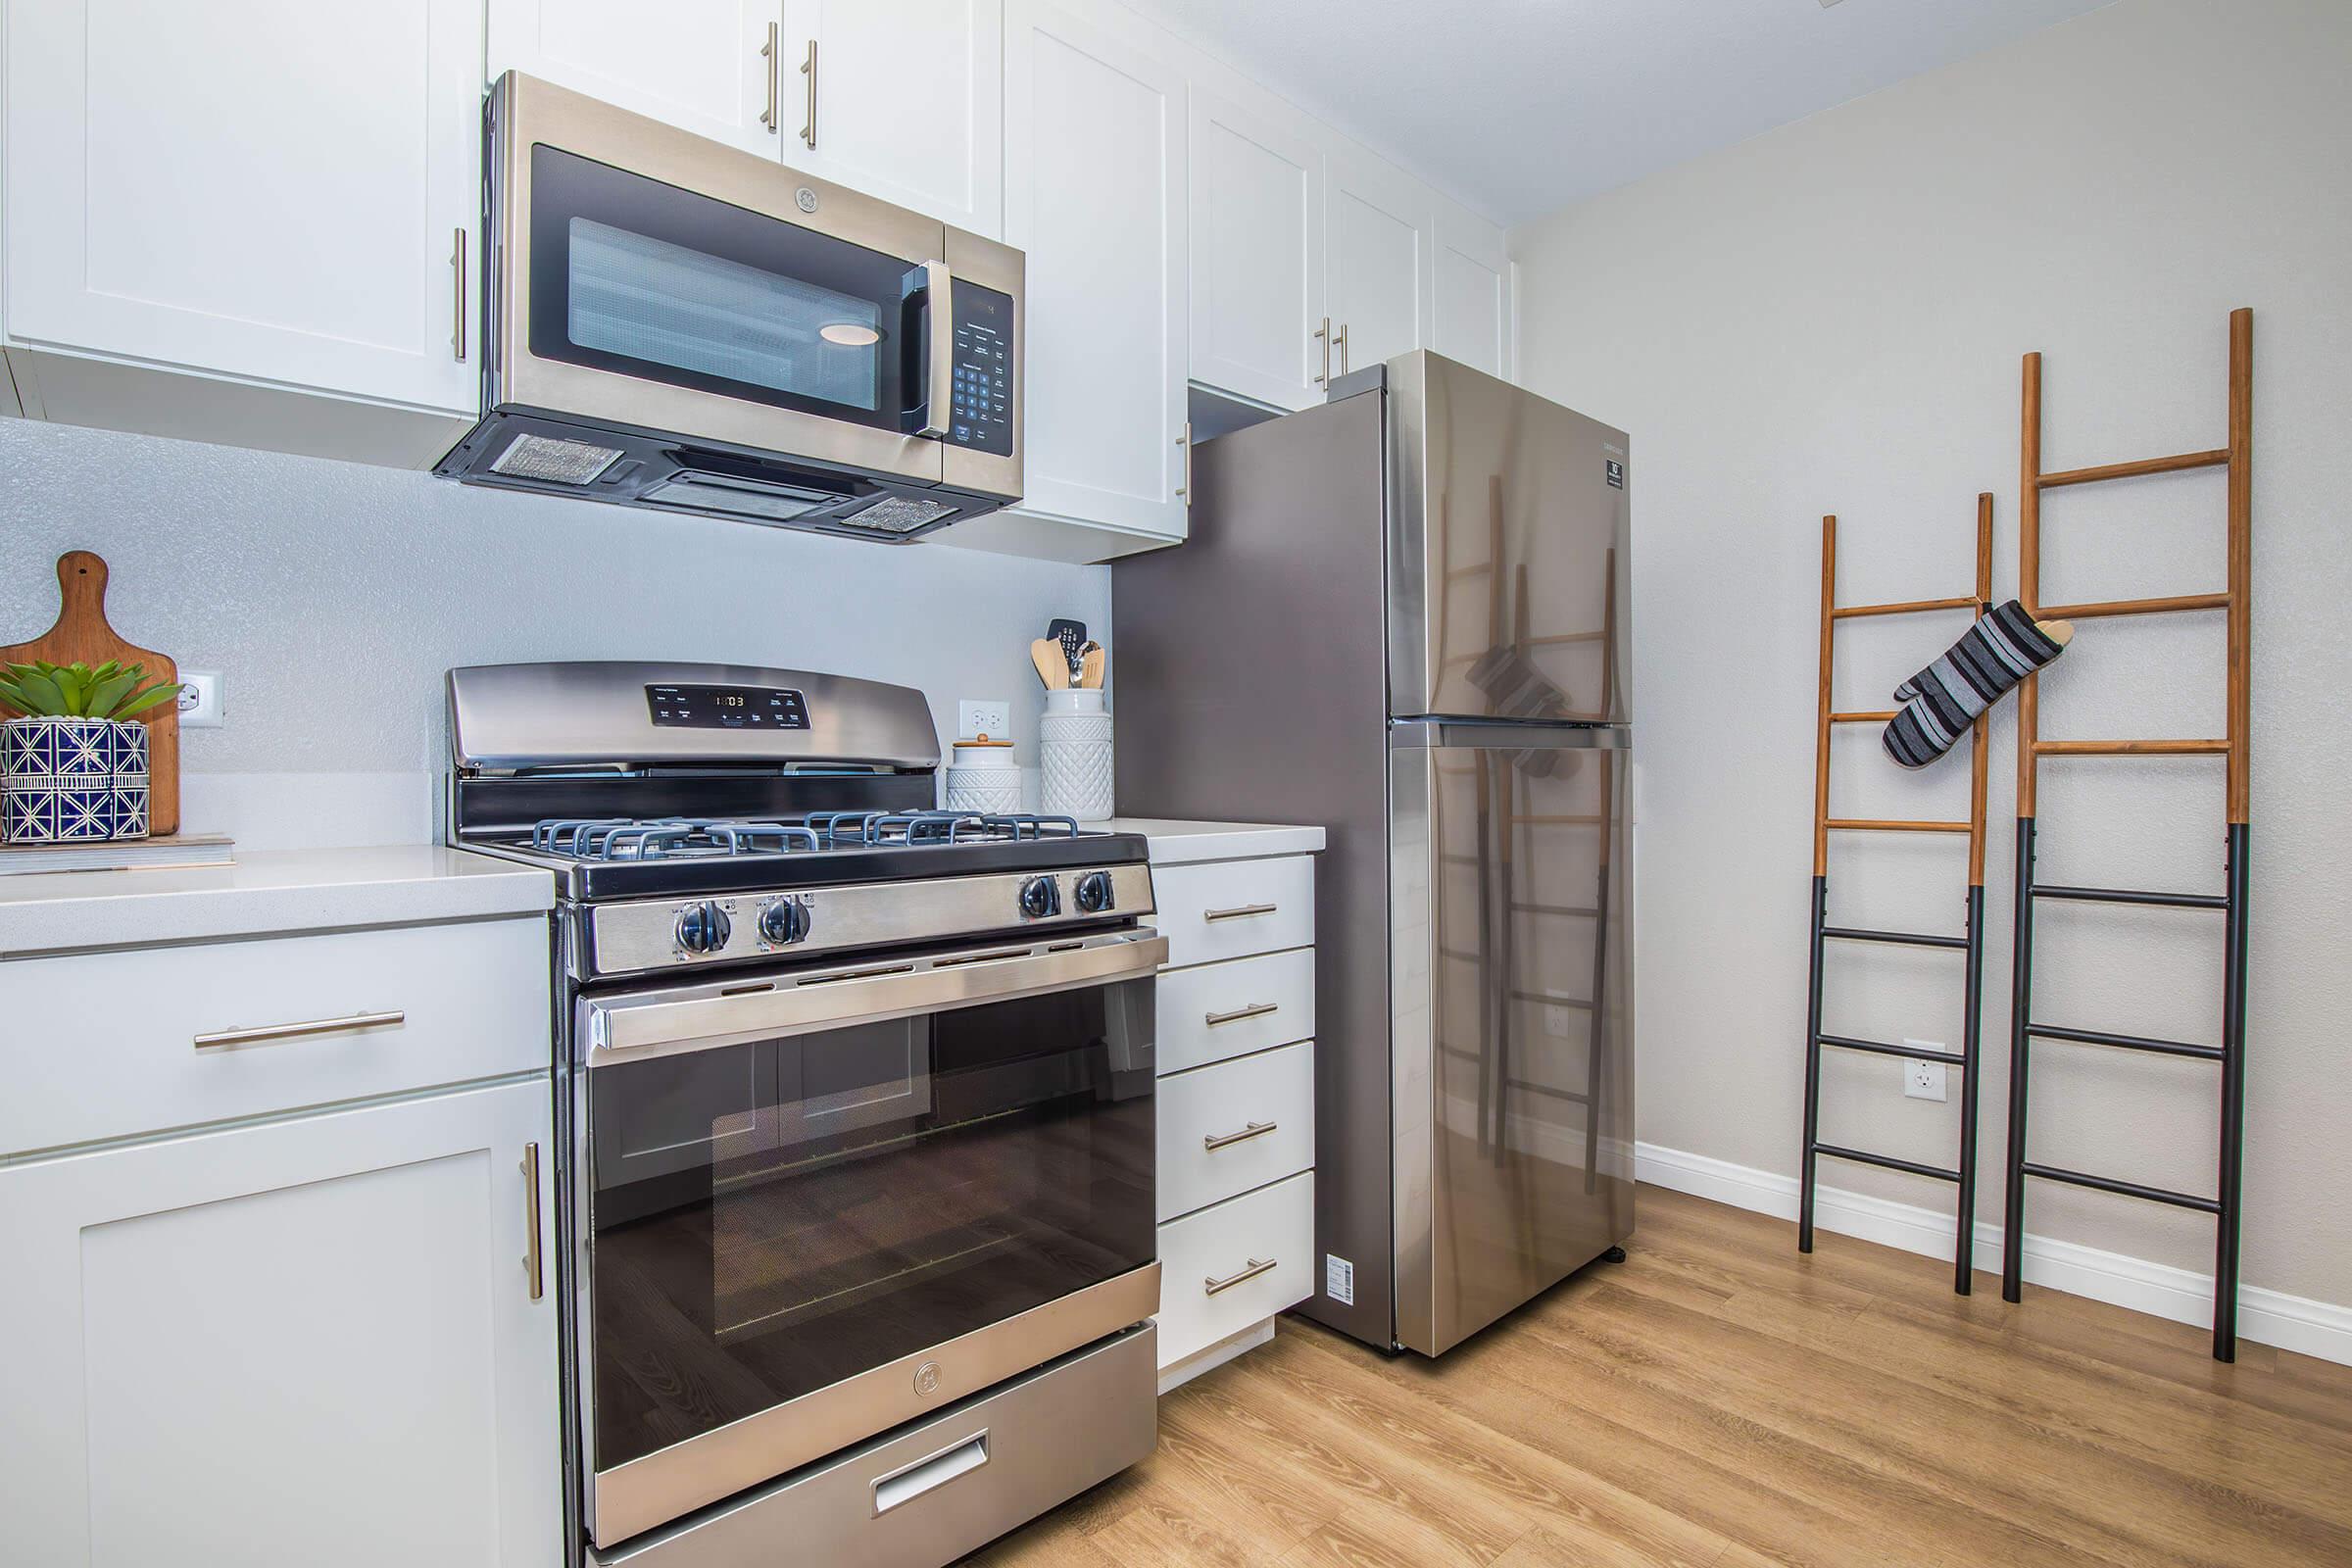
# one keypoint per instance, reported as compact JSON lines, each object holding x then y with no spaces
{"x":2230,"y":1055}
{"x":1972,"y":945}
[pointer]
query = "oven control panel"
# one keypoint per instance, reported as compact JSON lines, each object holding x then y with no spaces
{"x":727,"y":706}
{"x":980,"y":416}
{"x":672,"y":933}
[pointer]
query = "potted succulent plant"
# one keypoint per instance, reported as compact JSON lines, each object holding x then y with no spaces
{"x":74,"y":767}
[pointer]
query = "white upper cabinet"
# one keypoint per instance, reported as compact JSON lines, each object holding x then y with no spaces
{"x":1380,"y":228}
{"x":1257,"y":249}
{"x":905,"y":101}
{"x":269,"y":190}
{"x":1096,"y":196}
{"x":711,"y":67}
{"x":1473,"y":292}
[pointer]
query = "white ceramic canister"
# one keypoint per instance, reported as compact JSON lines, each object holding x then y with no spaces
{"x":1073,"y":752}
{"x":983,"y":777}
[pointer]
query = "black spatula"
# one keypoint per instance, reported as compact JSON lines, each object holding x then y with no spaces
{"x":1071,"y":634}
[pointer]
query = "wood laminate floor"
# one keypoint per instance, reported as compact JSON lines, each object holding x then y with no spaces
{"x":1718,"y":1399}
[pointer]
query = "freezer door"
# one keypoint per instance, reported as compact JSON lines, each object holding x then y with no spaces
{"x":1508,"y":559}
{"x":1511,"y":997}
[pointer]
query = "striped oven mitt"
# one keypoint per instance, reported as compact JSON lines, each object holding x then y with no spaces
{"x":1941,"y":701}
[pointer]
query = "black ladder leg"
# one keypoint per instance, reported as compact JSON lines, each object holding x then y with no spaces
{"x":1964,"y":1241}
{"x":1805,"y":1179}
{"x":2021,"y":992}
{"x":2233,"y":1101}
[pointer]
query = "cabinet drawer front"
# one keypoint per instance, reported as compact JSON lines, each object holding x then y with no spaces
{"x":106,"y":1044}
{"x":1235,"y":1126}
{"x":1273,"y":1225}
{"x":1232,"y":908}
{"x":1219,"y":1011}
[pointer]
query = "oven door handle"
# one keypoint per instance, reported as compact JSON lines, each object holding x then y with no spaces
{"x":633,"y":1028}
{"x":939,"y":378}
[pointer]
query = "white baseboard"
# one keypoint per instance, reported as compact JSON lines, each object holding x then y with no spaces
{"x":2269,"y":1317}
{"x":1211,"y":1357}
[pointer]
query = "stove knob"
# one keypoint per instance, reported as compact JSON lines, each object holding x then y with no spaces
{"x":703,"y":927}
{"x":784,"y":922}
{"x":1094,"y":892}
{"x":1041,"y":896}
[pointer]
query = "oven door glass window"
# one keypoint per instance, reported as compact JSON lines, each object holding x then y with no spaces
{"x":773,"y":1217}
{"x":632,"y":275}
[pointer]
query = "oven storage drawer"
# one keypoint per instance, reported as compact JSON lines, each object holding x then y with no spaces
{"x":1233,"y":1127}
{"x":1214,"y":1012}
{"x":110,"y":1045}
{"x":1211,"y":1280}
{"x":1232,"y":908}
{"x":931,"y":1491}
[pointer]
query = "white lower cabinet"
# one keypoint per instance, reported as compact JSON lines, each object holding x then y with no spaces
{"x":1236,"y":1099}
{"x":329,"y":1339}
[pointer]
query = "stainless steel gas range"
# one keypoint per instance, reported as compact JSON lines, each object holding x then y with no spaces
{"x":854,"y":1103}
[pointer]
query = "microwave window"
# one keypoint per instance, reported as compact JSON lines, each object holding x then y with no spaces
{"x":651,"y":300}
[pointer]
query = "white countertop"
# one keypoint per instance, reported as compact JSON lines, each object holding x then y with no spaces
{"x":1174,"y":843}
{"x":264,"y":892}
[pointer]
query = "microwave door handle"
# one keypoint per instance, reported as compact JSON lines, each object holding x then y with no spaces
{"x":939,"y":289}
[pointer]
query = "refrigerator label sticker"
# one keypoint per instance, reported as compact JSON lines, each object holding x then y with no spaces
{"x":1339,"y":1279}
{"x":1616,"y":475}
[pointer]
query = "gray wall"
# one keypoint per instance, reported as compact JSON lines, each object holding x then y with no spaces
{"x":1828,"y":319}
{"x":333,"y":597}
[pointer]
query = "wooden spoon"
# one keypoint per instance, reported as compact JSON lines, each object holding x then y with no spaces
{"x":1091,"y":662}
{"x":1052,"y":665}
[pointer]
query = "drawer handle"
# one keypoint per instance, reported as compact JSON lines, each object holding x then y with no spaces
{"x":299,"y":1031}
{"x":926,"y":1475}
{"x":1243,"y":911}
{"x":1258,"y":1267}
{"x":1256,"y":1129}
{"x":1255,"y":1010}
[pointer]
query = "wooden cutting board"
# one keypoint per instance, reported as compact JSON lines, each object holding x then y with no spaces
{"x":82,"y":636}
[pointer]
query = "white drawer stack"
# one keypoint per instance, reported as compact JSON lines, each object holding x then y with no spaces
{"x":1237,"y":1086}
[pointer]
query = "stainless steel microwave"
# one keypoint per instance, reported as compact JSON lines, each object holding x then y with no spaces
{"x":678,"y":324}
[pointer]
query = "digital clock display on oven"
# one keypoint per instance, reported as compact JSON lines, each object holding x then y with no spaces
{"x":727,"y":706}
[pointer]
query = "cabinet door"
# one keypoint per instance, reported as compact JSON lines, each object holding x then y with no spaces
{"x":290,"y":1343}
{"x":1095,"y":156}
{"x":1473,"y":288}
{"x":902,"y":99}
{"x":704,"y":66}
{"x":265,"y":189}
{"x":1258,"y":251}
{"x":1378,"y":232}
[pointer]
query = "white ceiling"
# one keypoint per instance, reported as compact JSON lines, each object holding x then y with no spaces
{"x":1521,"y":107}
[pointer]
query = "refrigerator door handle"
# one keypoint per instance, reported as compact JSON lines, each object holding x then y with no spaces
{"x":1435,"y":733}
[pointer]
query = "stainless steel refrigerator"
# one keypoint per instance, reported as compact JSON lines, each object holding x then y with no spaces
{"x":1405,"y":615}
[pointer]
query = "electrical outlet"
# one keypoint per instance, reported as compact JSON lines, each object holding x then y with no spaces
{"x":200,"y":699}
{"x":1555,"y":1021}
{"x":991,"y":717}
{"x":1924,"y":1080}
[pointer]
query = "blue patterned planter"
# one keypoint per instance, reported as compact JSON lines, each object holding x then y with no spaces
{"x":71,"y":780}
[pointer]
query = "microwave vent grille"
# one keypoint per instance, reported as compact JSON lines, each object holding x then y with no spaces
{"x":553,"y":461}
{"x":897,"y":515}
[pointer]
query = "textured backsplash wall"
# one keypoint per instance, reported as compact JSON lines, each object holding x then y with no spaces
{"x":332,"y":596}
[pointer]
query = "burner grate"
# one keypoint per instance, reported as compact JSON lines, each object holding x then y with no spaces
{"x":681,"y":837}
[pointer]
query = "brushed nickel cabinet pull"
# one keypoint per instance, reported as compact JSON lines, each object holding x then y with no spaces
{"x":773,"y":55}
{"x":1258,"y":1267}
{"x":1342,"y":346}
{"x":1256,"y":1129}
{"x":809,"y":69}
{"x":1323,"y":336}
{"x":1255,"y":1010}
{"x":1238,"y":912}
{"x":299,"y":1031}
{"x":457,"y":266}
{"x":530,"y":1220}
{"x":1186,"y":441}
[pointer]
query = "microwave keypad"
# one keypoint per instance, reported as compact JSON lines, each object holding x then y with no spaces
{"x":981,"y":413}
